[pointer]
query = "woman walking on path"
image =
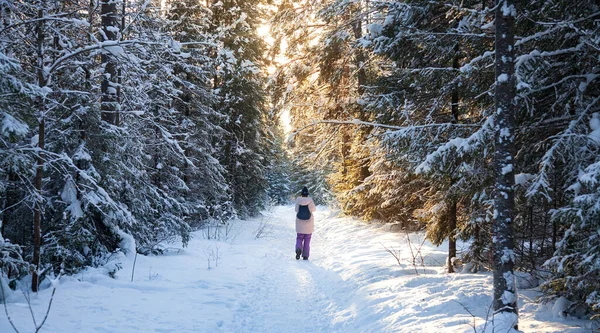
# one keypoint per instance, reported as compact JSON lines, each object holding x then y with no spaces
{"x":305,"y":223}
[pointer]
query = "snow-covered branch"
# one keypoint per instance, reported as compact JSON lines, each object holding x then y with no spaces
{"x":541,"y":184}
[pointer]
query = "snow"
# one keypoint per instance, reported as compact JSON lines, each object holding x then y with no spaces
{"x":69,"y":196}
{"x":350,"y":284}
{"x":116,"y":50}
{"x":127,"y":243}
{"x":487,"y":25}
{"x":503,"y":77}
{"x":81,"y":154}
{"x":462,"y":146}
{"x":509,"y":10}
{"x":82,"y":23}
{"x":560,"y":307}
{"x":507,"y":169}
{"x":375,"y":29}
{"x":502,"y":322}
{"x":12,"y":126}
{"x":175,"y":45}
{"x":595,"y":127}
{"x":523,"y":178}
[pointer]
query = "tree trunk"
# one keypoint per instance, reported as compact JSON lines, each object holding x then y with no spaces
{"x":39,"y":172}
{"x":531,"y":235}
{"x":361,"y":74}
{"x":109,"y":86}
{"x":554,"y":222}
{"x":361,"y":77}
{"x":452,"y":238}
{"x":10,"y":202}
{"x":452,"y":219}
{"x":37,"y":213}
{"x":505,"y":293}
{"x":120,"y":73}
{"x":454,"y":103}
{"x":345,"y":152}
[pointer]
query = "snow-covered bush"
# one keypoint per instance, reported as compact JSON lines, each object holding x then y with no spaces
{"x":576,"y":263}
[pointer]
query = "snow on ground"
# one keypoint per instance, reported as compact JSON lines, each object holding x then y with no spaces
{"x":241,"y":283}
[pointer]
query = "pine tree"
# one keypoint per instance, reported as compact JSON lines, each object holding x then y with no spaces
{"x":436,"y":98}
{"x":100,"y":181}
{"x":239,"y":84}
{"x":557,"y":119}
{"x":277,"y":173}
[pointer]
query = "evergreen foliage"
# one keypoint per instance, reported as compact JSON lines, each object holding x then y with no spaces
{"x":401,"y":110}
{"x":124,"y":111}
{"x":127,"y":123}
{"x":239,"y":86}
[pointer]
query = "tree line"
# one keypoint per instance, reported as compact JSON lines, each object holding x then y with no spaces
{"x":126,"y":123}
{"x":472,"y":120}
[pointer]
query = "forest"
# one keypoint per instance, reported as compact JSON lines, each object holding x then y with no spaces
{"x":144,"y":120}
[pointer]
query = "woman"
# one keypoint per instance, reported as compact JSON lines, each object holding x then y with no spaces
{"x":305,"y":223}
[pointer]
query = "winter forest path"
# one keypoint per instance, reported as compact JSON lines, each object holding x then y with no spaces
{"x":238,"y":283}
{"x":292,"y":295}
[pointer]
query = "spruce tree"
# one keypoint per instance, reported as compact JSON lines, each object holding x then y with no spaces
{"x":239,"y":84}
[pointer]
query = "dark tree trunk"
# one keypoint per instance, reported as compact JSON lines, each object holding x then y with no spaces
{"x":531,"y":235}
{"x":544,"y":235}
{"x":360,"y":55}
{"x":109,"y":86}
{"x":39,"y":172}
{"x":37,"y":212}
{"x":554,"y":235}
{"x":120,"y":73}
{"x":10,"y":202}
{"x":452,"y":238}
{"x":361,"y":76}
{"x":454,"y":104}
{"x":505,"y":293}
{"x":452,"y":218}
{"x":554,"y":221}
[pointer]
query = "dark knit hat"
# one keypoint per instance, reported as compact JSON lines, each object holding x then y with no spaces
{"x":304,"y":191}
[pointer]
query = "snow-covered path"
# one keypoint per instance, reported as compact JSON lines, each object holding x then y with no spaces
{"x":241,"y":283}
{"x":287,"y":294}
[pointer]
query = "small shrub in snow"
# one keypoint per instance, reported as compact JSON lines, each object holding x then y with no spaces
{"x":263,"y":228}
{"x":212,"y":256}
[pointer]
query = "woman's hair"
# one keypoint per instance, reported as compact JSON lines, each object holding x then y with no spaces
{"x":304,"y":192}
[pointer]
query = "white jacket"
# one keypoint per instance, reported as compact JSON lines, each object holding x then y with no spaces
{"x":305,"y":226}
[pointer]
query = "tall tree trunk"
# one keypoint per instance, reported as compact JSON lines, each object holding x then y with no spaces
{"x":120,"y":73}
{"x":110,"y":83}
{"x":11,"y":200}
{"x":361,"y":78}
{"x":452,"y":218}
{"x":452,"y":238}
{"x":39,"y":172}
{"x":554,"y":221}
{"x":505,"y":293}
{"x":455,"y":66}
{"x":345,"y":152}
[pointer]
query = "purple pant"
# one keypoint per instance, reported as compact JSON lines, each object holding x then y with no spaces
{"x":303,"y":238}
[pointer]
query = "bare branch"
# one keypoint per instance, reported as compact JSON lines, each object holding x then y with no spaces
{"x":6,"y":308}
{"x":471,"y":313}
{"x":358,"y":122}
{"x":47,"y":310}
{"x":395,"y":253}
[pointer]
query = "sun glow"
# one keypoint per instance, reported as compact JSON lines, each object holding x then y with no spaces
{"x":264,"y":32}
